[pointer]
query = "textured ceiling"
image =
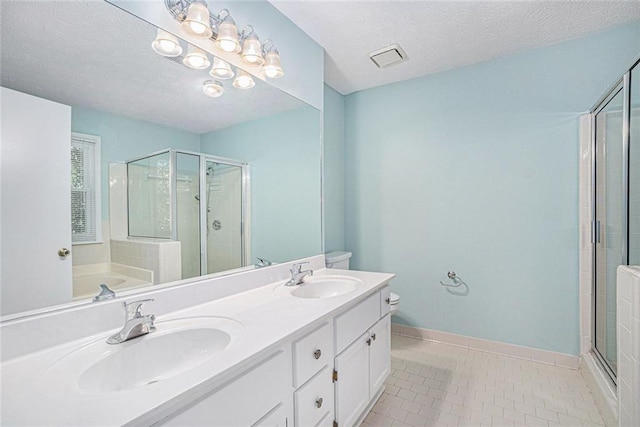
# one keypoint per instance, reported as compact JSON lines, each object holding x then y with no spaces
{"x":440,"y":35}
{"x":92,"y":54}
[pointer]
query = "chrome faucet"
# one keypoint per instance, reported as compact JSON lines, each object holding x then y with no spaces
{"x":262,"y":263}
{"x":135,"y":324}
{"x":298,"y":275}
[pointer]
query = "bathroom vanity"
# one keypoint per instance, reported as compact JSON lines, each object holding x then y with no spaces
{"x":269,"y":355}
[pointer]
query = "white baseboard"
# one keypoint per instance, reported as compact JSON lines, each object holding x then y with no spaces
{"x":528,"y":353}
{"x":602,"y":390}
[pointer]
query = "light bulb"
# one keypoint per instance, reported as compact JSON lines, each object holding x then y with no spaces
{"x":272,"y":67}
{"x":196,"y":58}
{"x":213,"y":88}
{"x":196,"y":23}
{"x":252,"y":50}
{"x":166,"y":44}
{"x":243,"y":80}
{"x":227,"y":38}
{"x":221,"y":69}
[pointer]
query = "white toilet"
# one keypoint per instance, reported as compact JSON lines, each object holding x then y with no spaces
{"x":341,"y":260}
{"x":337,"y":260}
{"x":394,"y":299}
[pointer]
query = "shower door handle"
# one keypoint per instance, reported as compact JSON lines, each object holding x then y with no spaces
{"x":595,"y":231}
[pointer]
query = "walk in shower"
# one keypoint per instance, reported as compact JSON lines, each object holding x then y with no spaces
{"x":194,"y":198}
{"x":616,"y":205}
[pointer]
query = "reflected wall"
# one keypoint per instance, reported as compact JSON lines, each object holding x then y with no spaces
{"x":280,"y":148}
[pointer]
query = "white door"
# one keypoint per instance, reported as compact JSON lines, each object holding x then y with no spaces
{"x":35,"y":194}
{"x":352,"y":386}
{"x":379,"y":354}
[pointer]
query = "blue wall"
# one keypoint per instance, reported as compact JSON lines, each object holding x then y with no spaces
{"x":124,"y":138}
{"x":476,"y":170}
{"x":284,"y":148}
{"x":333,"y":190}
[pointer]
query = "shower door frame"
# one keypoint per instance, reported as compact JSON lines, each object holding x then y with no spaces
{"x":245,"y":209}
{"x":622,"y":85}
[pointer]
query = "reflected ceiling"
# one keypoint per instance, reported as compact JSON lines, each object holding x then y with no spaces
{"x":87,"y":57}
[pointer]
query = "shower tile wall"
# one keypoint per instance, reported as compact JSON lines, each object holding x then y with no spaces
{"x":118,"y":200}
{"x":629,"y":346}
{"x":149,"y":218}
{"x":224,"y":245}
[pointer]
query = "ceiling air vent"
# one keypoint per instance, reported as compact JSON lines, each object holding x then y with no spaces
{"x":387,"y":56}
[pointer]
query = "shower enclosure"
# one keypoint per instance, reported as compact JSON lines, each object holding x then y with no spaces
{"x":616,"y":205}
{"x":194,"y":198}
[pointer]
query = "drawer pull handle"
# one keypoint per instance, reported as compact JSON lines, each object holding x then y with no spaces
{"x":388,"y":300}
{"x":319,"y":402}
{"x":317,"y":354}
{"x":373,"y":336}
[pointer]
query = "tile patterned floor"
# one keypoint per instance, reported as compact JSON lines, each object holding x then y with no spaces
{"x":434,"y":384}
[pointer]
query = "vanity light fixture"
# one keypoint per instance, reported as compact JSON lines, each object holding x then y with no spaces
{"x":221,"y":69}
{"x":196,"y":58}
{"x":243,"y":80}
{"x":197,"y":21}
{"x":227,"y":37}
{"x":166,"y":44}
{"x":213,"y":88}
{"x":272,"y":67}
{"x":251,"y":47}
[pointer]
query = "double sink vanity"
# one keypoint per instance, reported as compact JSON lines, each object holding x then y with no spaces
{"x":316,"y":353}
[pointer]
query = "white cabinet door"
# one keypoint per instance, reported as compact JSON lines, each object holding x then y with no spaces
{"x":243,"y":401}
{"x":379,"y":354}
{"x":352,"y":386}
{"x":314,"y":401}
{"x":276,"y":418}
{"x":36,"y":202}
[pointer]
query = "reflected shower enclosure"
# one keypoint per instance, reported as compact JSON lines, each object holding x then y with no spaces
{"x":196,"y":199}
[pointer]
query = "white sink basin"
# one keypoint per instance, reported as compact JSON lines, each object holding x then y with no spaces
{"x":176,"y":346}
{"x":325,"y":286}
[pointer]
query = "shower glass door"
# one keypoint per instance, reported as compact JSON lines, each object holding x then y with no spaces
{"x":610,"y":234}
{"x":224,"y":213}
{"x":187,"y":212}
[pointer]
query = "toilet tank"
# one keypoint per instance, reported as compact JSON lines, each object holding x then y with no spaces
{"x":337,"y":260}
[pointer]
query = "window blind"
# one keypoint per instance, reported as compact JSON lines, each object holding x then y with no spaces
{"x":85,"y":188}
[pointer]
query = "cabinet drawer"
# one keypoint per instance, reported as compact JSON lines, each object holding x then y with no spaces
{"x":385,"y":300}
{"x":356,"y":321}
{"x":314,"y":401}
{"x":312,"y":353}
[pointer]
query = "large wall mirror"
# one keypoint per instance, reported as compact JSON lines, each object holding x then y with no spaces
{"x":156,"y":182}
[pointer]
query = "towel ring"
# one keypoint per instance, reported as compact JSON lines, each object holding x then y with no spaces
{"x":457,"y":281}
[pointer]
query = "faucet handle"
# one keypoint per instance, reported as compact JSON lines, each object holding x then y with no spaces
{"x":134,"y":309}
{"x":262,"y":262}
{"x":297,"y":267}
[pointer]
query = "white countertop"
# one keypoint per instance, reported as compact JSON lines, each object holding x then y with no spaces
{"x":268,"y":318}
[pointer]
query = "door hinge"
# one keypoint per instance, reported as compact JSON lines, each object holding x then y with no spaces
{"x":335,"y":376}
{"x":335,"y":424}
